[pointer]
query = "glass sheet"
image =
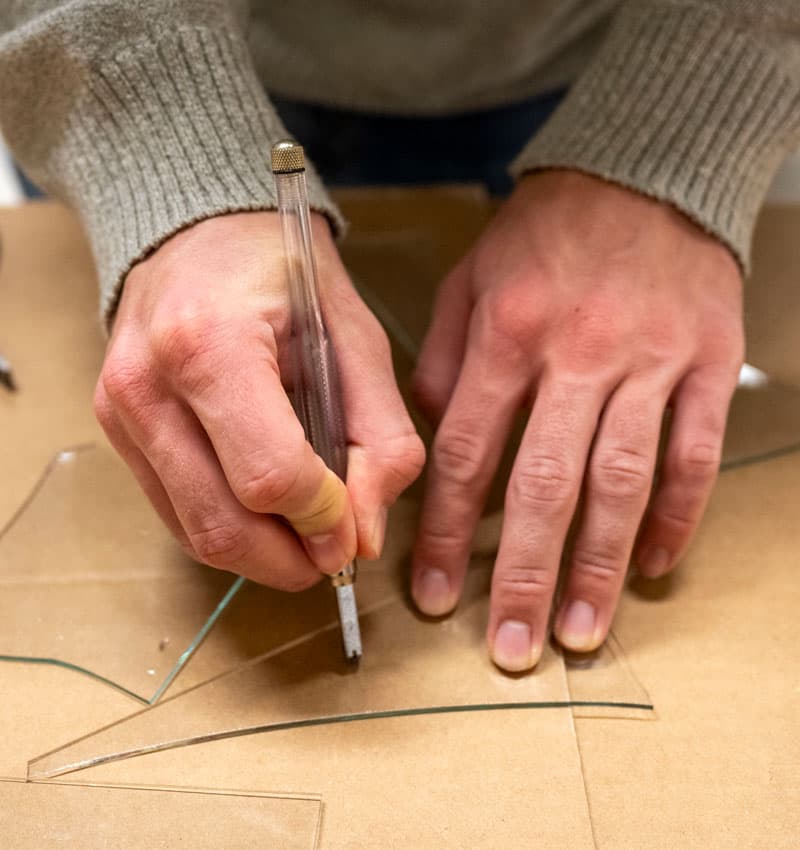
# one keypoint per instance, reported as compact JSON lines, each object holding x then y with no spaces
{"x":413,"y":666}
{"x":97,"y":817}
{"x":605,"y":671}
{"x":91,"y":581}
{"x":764,"y":422}
{"x":43,"y":705}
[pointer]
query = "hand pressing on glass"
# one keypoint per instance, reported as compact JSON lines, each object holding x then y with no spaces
{"x":193,"y":396}
{"x":597,"y":308}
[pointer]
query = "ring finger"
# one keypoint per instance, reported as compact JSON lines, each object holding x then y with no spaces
{"x":618,"y":483}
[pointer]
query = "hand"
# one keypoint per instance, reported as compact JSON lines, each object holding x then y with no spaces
{"x":191,"y":396}
{"x":600,"y":308}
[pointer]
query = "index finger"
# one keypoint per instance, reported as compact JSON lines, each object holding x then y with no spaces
{"x":228,"y":374}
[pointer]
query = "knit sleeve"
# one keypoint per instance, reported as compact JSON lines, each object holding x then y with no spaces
{"x":145,"y":117}
{"x":692,"y":103}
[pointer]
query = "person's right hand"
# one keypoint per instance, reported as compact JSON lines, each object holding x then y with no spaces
{"x":191,"y":395}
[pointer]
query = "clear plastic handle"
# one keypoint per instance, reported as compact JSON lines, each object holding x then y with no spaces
{"x":317,"y":389}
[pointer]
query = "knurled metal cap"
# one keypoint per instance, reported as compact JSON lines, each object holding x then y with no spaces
{"x":287,"y":157}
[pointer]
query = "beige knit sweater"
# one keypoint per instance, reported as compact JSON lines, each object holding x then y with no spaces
{"x":147,"y":115}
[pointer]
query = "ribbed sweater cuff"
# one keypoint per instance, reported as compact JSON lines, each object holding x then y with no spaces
{"x":168,"y":134}
{"x":681,"y":106}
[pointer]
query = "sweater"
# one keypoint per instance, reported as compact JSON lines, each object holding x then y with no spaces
{"x":149,"y":116}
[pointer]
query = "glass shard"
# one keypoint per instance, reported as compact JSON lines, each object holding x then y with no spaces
{"x":95,"y":817}
{"x":90,"y":580}
{"x":413,"y":666}
{"x":764,"y":422}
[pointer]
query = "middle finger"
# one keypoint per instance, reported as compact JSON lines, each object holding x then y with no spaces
{"x":540,"y":500}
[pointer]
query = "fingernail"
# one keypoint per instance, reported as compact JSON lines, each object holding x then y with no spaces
{"x":326,"y":552}
{"x":655,"y":562}
{"x":432,"y":592}
{"x":379,"y":532}
{"x":513,"y":649}
{"x":577,"y":628}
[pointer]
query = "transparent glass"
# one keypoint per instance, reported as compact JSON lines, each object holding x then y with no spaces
{"x":763,"y":423}
{"x":33,"y":816}
{"x":91,"y":581}
{"x":414,"y":666}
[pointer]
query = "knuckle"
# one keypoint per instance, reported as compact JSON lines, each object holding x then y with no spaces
{"x":184,"y":345}
{"x":596,"y":565}
{"x":508,"y":316}
{"x":593,"y":338}
{"x":699,"y":461}
{"x":680,"y":523}
{"x":621,"y":474}
{"x":220,"y":545}
{"x":261,"y":485}
{"x":125,"y":380}
{"x":543,"y":481}
{"x":401,"y":462}
{"x":524,"y":585}
{"x":441,"y":539}
{"x":103,"y":411}
{"x":416,"y":455}
{"x":457,"y":456}
{"x":724,"y":345}
{"x":409,"y":459}
{"x":176,"y":337}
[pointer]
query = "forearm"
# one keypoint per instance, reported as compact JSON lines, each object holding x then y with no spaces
{"x":693,"y":103}
{"x":145,"y":117}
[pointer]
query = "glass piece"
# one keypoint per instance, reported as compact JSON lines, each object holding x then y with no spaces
{"x":412,"y":666}
{"x":260,"y":620}
{"x":95,"y":817}
{"x":764,"y":422}
{"x":509,"y":779}
{"x":198,"y":638}
{"x":91,"y":581}
{"x":596,"y":679}
{"x":43,"y":706}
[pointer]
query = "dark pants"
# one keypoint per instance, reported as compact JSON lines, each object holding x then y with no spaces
{"x":358,"y":148}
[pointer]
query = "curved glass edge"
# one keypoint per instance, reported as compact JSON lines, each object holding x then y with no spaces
{"x":34,"y":774}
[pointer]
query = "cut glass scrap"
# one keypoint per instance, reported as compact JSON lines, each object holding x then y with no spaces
{"x":763,"y":423}
{"x":96,"y":817}
{"x":413,"y":666}
{"x":91,"y":581}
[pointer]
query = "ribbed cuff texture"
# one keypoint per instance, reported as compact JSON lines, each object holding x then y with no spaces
{"x":680,"y":106}
{"x":168,"y":134}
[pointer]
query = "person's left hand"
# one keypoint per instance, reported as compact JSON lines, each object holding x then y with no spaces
{"x":599,"y":307}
